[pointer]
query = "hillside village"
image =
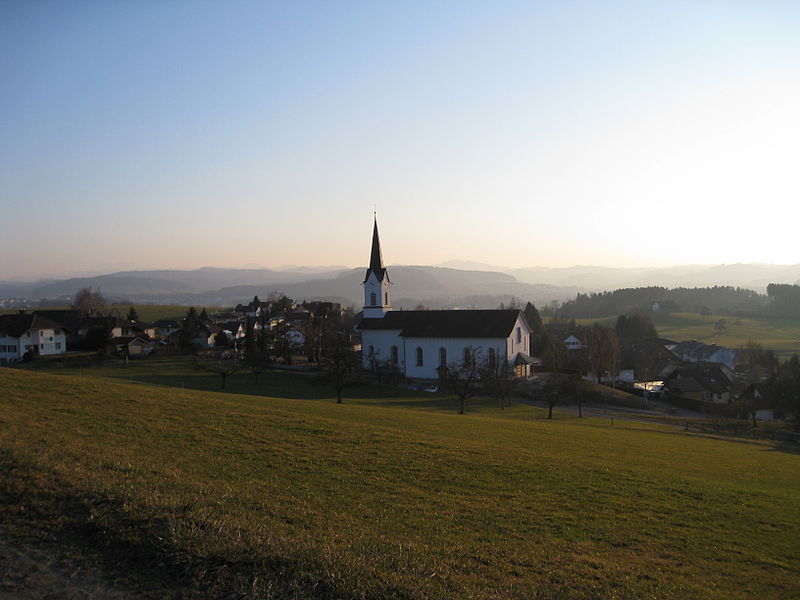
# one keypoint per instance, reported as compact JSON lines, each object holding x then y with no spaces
{"x":422,"y":347}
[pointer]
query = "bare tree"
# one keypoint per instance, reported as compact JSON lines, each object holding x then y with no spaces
{"x":463,"y":378}
{"x":341,"y":362}
{"x":552,"y":397}
{"x":223,"y":368}
{"x":256,"y":362}
{"x":601,"y":351}
{"x":498,"y":379}
{"x":88,"y":302}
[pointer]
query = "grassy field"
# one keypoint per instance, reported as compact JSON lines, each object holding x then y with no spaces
{"x":192,"y":493}
{"x":780,"y":335}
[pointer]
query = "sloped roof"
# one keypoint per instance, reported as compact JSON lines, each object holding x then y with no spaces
{"x":16,"y":325}
{"x":708,"y":376}
{"x":447,"y":323}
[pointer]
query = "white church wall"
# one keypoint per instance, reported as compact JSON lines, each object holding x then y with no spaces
{"x":454,"y":348}
{"x":381,"y":342}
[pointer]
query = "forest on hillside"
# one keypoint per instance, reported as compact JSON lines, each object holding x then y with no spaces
{"x":721,"y":300}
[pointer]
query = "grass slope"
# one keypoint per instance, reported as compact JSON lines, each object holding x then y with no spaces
{"x":207,"y":494}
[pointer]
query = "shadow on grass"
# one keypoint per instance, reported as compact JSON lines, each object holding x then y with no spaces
{"x":138,"y":550}
{"x":765,"y":444}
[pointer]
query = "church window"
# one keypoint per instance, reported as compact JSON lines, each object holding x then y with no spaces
{"x":442,"y":357}
{"x":419,"y":357}
{"x":491,"y":357}
{"x":394,"y":355}
{"x":386,"y":298}
{"x":467,"y":356}
{"x":373,"y":299}
{"x":519,"y":335}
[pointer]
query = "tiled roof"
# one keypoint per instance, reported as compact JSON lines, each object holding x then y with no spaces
{"x":16,"y":325}
{"x":447,"y":323}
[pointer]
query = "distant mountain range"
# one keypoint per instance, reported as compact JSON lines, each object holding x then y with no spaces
{"x":435,"y":287}
{"x":754,"y":276}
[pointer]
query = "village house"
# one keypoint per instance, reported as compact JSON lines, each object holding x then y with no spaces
{"x":22,"y":332}
{"x":704,"y":381}
{"x":419,"y":342}
{"x":695,"y":352}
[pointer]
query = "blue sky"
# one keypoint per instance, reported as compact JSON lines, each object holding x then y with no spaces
{"x":185,"y":134}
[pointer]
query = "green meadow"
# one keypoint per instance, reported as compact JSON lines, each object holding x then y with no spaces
{"x":780,"y":335}
{"x":281,"y":493}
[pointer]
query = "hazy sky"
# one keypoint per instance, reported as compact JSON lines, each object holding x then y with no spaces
{"x":182,"y":134}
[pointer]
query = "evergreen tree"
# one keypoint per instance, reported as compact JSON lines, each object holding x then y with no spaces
{"x":533,"y":317}
{"x":132,"y":314}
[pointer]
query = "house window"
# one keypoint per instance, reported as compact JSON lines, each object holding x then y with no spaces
{"x":372,"y":299}
{"x":442,"y":357}
{"x":419,"y":357}
{"x":371,"y":351}
{"x":467,"y":356}
{"x":490,"y":357}
{"x":58,"y":345}
{"x":394,"y":355}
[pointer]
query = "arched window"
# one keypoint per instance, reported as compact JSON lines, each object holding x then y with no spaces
{"x":442,"y":357}
{"x":519,"y":335}
{"x":467,"y":356}
{"x":394,"y":355}
{"x":373,"y":299}
{"x":419,"y":357}
{"x":490,"y":356}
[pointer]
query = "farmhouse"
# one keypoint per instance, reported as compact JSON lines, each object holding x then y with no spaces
{"x":418,"y":342}
{"x":23,"y":332}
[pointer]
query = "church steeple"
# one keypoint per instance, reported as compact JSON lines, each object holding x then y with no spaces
{"x":376,"y":281}
{"x":376,"y":256}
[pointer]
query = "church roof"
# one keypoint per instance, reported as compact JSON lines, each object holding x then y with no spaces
{"x":446,"y":323}
{"x":375,"y":257}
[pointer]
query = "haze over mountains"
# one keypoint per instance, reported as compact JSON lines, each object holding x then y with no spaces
{"x":469,"y":285}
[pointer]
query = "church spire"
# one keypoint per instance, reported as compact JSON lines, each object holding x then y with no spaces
{"x":376,"y":256}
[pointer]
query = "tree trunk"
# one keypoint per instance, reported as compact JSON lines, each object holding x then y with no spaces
{"x":224,"y":378}
{"x":550,"y":412}
{"x":338,"y":396}
{"x":461,"y":403}
{"x":580,"y":409}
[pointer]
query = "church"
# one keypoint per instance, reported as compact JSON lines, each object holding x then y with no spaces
{"x":418,"y":342}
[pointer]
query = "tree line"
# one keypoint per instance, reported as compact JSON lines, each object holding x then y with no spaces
{"x":717,"y":299}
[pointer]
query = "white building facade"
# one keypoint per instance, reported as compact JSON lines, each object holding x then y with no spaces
{"x":21,"y":333}
{"x":418,"y":343}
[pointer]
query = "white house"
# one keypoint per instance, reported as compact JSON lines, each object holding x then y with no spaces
{"x":695,"y":352}
{"x":23,"y":332}
{"x":573,"y":343}
{"x":418,"y":342}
